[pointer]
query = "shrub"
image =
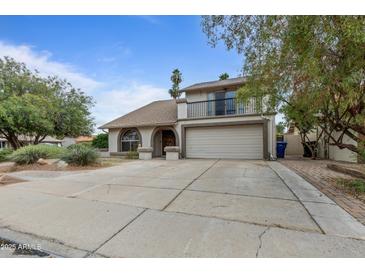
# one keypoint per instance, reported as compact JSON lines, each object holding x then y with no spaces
{"x":80,"y":155}
{"x":31,"y":154}
{"x":132,"y":154}
{"x":86,"y":144}
{"x":100,"y":141}
{"x":5,"y":153}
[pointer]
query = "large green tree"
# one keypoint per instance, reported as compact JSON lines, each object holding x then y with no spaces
{"x":34,"y":107}
{"x":310,"y":67}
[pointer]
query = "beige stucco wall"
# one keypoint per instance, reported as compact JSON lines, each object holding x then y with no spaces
{"x":196,"y":96}
{"x":113,"y":140}
{"x":294,"y":146}
{"x":343,"y":154}
{"x":182,"y":111}
{"x":146,"y":133}
{"x":272,"y":135}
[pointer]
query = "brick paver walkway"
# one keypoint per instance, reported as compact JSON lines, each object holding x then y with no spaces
{"x":317,"y":173}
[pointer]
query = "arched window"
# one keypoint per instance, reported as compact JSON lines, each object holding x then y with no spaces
{"x":130,"y":140}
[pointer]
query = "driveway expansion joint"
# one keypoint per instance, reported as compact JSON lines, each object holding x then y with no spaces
{"x":140,"y":186}
{"x":185,"y":188}
{"x":76,"y":194}
{"x":116,"y":233}
{"x":246,"y":222}
{"x":110,"y":203}
{"x":243,"y":195}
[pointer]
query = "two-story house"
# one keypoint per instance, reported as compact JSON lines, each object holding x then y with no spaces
{"x":208,"y":123}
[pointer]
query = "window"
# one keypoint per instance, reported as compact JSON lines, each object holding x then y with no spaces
{"x":130,"y":140}
{"x":3,"y":144}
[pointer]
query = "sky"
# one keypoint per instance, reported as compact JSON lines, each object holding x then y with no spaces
{"x":123,"y":62}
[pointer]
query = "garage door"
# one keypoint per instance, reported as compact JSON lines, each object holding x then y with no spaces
{"x":225,"y":142}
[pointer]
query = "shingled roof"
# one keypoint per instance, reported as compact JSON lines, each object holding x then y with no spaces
{"x":156,"y":113}
{"x":216,"y":84}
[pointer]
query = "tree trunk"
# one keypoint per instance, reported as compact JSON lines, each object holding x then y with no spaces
{"x":36,"y":140}
{"x":338,"y":142}
{"x":42,"y":138}
{"x":304,"y":143}
{"x":14,"y":142}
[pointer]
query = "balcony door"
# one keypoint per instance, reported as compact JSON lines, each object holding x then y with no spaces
{"x":223,"y":103}
{"x":230,"y":102}
{"x":220,"y":103}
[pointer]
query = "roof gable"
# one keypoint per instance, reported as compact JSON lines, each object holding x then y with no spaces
{"x":216,"y":84}
{"x":156,"y":113}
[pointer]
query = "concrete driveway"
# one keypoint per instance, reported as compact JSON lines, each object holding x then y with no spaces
{"x":186,"y":208}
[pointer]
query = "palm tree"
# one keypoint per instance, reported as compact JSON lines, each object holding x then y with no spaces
{"x":176,"y":79}
{"x":224,"y":76}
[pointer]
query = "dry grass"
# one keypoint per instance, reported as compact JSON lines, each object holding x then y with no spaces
{"x":355,"y":187}
{"x":6,"y":178}
{"x":103,"y":163}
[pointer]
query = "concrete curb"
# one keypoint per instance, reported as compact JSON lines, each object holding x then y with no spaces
{"x":52,"y":247}
{"x":330,"y":217}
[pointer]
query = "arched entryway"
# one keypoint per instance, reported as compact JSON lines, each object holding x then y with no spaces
{"x":161,"y":138}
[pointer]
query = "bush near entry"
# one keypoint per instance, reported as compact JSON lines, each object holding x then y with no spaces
{"x":132,"y":154}
{"x":81,"y":155}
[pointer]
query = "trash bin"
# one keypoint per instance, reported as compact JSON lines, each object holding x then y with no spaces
{"x":280,"y":149}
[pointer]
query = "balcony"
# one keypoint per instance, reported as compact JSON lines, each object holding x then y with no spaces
{"x":221,"y":107}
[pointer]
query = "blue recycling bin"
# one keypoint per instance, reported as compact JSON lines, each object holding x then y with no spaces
{"x":280,"y":149}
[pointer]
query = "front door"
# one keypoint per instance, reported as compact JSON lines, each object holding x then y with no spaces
{"x":168,"y":139}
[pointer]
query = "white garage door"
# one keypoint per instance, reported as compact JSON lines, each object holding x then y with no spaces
{"x":225,"y":142}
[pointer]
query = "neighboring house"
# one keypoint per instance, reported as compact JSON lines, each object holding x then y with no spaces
{"x":207,"y":123}
{"x":67,"y":141}
{"x":52,"y":141}
{"x":48,"y":140}
{"x":84,"y":139}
